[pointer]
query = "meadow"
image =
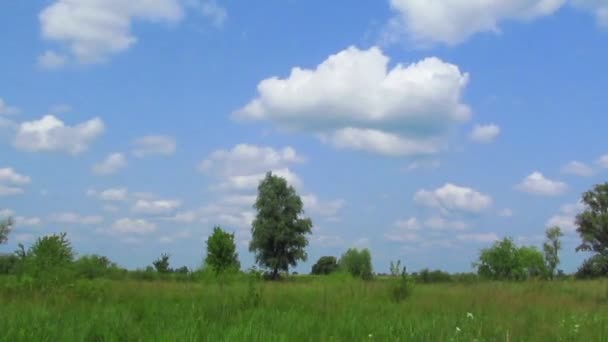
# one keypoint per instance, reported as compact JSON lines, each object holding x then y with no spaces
{"x":304,"y":308}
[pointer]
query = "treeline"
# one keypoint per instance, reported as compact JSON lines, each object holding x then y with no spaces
{"x":279,"y":241}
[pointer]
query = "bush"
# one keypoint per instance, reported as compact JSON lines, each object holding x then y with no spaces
{"x":506,"y":261}
{"x":221,"y":252}
{"x":358,"y":263}
{"x":403,"y":288}
{"x":325,"y":265}
{"x":95,"y":266}
{"x":8,"y":264}
{"x":427,"y":276}
{"x":49,"y":261}
{"x":594,"y":267}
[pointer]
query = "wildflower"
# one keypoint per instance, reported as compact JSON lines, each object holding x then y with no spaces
{"x":458,"y":329}
{"x":576,"y":326}
{"x":370,"y":336}
{"x":470,"y":315}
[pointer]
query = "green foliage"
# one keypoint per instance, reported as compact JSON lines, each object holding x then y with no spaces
{"x":403,"y":288}
{"x":426,"y":276}
{"x":49,"y":260}
{"x":8,"y":263}
{"x":325,"y":265}
{"x":357,"y":262}
{"x":253,"y":297}
{"x":95,"y":266}
{"x":162,"y":264}
{"x":593,"y":223}
{"x":551,"y":247}
{"x":6,"y":226}
{"x":279,"y":232}
{"x":395,"y":268}
{"x":594,"y":267}
{"x":221,"y":252}
{"x":505,"y":261}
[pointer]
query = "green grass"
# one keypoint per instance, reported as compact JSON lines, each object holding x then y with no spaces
{"x":306,"y":309}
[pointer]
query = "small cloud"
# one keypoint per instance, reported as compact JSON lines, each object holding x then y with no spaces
{"x":51,"y":60}
{"x":154,"y":145}
{"x":505,"y":213}
{"x":478,"y":238}
{"x":485,"y":134}
{"x":578,"y":168}
{"x":451,"y":197}
{"x":133,"y":226}
{"x":603,"y":161}
{"x":111,"y":165}
{"x":5,"y":109}
{"x":156,"y":207}
{"x":537,"y":184}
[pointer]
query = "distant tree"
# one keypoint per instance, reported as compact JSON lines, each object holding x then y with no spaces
{"x":162,"y":264}
{"x":357,"y":262}
{"x":6,"y":225}
{"x":278,"y":231}
{"x":594,"y":267}
{"x":93,"y":266}
{"x":182,"y":270}
{"x":551,"y":247}
{"x":49,"y":261}
{"x":325,"y":265}
{"x":593,"y":222}
{"x":221,"y":252}
{"x":506,"y":261}
{"x":395,"y":268}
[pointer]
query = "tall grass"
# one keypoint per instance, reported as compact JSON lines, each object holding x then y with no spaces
{"x":334,"y":308}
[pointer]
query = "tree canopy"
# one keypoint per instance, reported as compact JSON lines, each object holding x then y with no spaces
{"x":357,"y":262}
{"x":278,"y":231}
{"x":551,"y":247}
{"x":6,"y":226}
{"x":221,"y":252}
{"x":593,"y":222}
{"x":325,"y":265}
{"x":506,"y":261}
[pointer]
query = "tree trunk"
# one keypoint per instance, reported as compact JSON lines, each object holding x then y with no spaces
{"x":275,"y":273}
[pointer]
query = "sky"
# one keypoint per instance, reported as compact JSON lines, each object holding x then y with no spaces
{"x":421,"y":130}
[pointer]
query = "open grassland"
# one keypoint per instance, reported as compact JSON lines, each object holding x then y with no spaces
{"x":304,"y":309}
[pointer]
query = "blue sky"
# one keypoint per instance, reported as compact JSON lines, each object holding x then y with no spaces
{"x":421,"y":132}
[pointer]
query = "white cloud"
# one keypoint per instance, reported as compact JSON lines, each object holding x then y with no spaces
{"x":77,"y":219}
{"x":10,"y":182}
{"x":51,"y":134}
{"x":111,"y":165}
{"x":51,"y":60}
{"x":380,"y":142}
{"x":505,"y":212}
{"x":248,"y":159}
{"x":453,"y":21}
{"x":28,"y":221}
{"x":598,"y":7}
{"x":603,"y":161}
{"x":409,"y":224}
{"x":566,"y":218}
{"x":423,"y":164}
{"x":6,"y":213}
{"x":578,"y":168}
{"x":251,"y":182}
{"x":9,"y":175}
{"x":537,"y":184}
{"x":189,"y":216}
{"x":438,"y":223}
{"x":354,"y":95}
{"x":133,"y":226}
{"x":6,"y":190}
{"x":112,"y":195}
{"x":216,"y":13}
{"x":451,"y":197}
{"x":315,"y":206}
{"x":485,"y":133}
{"x":5,"y":109}
{"x":154,"y":145}
{"x":479,"y":237}
{"x":156,"y":207}
{"x":97,"y":29}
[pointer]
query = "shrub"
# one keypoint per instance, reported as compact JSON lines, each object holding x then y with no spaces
{"x":594,"y":267}
{"x":358,"y":263}
{"x":427,"y":276}
{"x":94,"y":266}
{"x":403,"y":288}
{"x":8,"y":263}
{"x":221,"y":252}
{"x":162,"y":264}
{"x":325,"y":265}
{"x":49,"y":260}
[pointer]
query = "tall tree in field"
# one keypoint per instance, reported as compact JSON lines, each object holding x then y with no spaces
{"x":5,"y":229}
{"x":593,"y":222}
{"x":278,"y":231}
{"x":551,"y":247}
{"x":221,"y":252}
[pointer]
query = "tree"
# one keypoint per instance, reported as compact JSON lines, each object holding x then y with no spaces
{"x":357,"y":262}
{"x":593,"y":222}
{"x":325,"y":265}
{"x":162,"y":264}
{"x":6,"y":226}
{"x":221,"y":252}
{"x":49,"y":260}
{"x":278,"y":231}
{"x":594,"y":267}
{"x":506,"y":261}
{"x":551,"y":247}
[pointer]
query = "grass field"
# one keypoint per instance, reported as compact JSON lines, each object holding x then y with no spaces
{"x":305,"y":309}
